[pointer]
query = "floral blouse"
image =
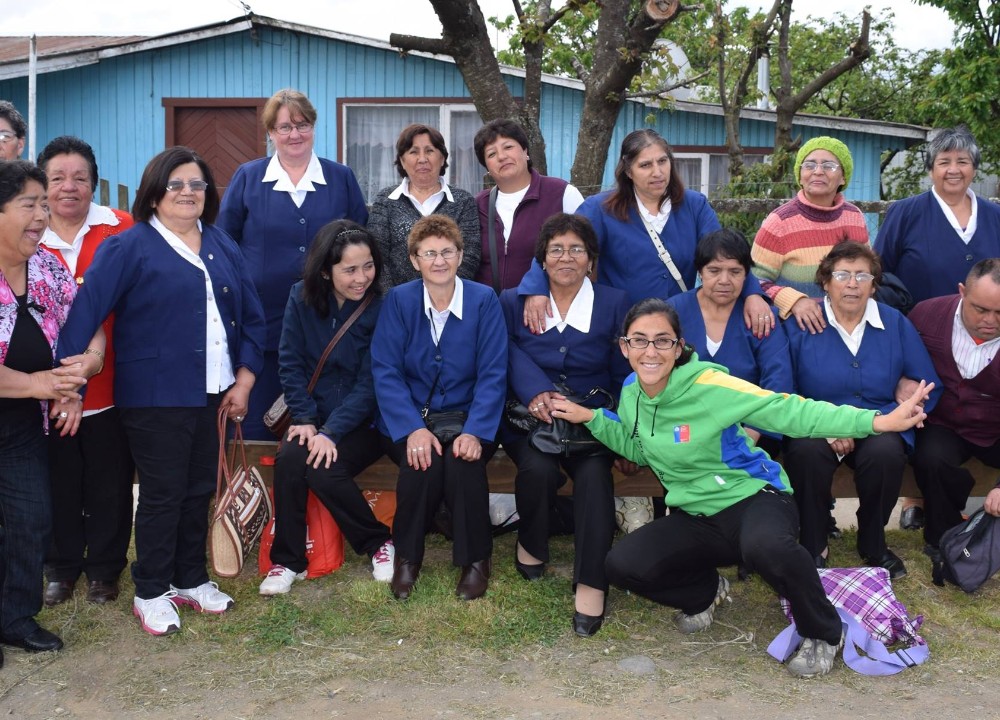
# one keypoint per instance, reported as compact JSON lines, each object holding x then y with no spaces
{"x":50,"y":287}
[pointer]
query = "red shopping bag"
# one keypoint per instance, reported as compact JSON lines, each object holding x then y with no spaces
{"x":383,"y":505}
{"x":324,"y":541}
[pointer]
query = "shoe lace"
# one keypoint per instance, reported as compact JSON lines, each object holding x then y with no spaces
{"x":382,"y":554}
{"x":277,"y":571}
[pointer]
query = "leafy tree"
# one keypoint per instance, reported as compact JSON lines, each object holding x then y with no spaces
{"x":967,"y":90}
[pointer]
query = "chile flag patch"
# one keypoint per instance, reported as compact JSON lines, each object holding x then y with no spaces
{"x":682,"y":433}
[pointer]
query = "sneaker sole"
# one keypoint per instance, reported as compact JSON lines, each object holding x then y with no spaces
{"x":272,"y":593}
{"x":171,"y":629}
{"x":195,"y":605}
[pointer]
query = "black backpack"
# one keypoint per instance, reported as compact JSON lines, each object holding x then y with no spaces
{"x":970,"y":552}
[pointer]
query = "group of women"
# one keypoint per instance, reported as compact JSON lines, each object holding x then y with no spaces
{"x":438,"y":316}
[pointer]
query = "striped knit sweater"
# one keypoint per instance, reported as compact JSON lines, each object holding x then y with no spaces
{"x":793,"y":240}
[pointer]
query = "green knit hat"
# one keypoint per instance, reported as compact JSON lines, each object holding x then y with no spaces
{"x":831,"y":145}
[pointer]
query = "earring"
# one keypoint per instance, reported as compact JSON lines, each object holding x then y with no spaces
{"x":324,"y":276}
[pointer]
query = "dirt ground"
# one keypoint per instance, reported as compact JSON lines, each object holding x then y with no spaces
{"x":723,"y":673}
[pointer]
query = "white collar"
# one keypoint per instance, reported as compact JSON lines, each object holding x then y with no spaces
{"x":404,"y":189}
{"x":279,"y":176}
{"x":871,"y":316}
{"x":580,"y":310}
{"x":96,"y":215}
{"x":454,"y":307}
{"x":176,"y":243}
{"x":650,"y":217}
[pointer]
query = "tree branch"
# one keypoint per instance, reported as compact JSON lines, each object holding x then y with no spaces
{"x":407,"y":43}
{"x":859,"y":52}
{"x":667,"y":88}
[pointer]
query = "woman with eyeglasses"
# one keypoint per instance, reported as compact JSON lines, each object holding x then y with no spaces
{"x":189,"y":336}
{"x":439,"y":359}
{"x":576,"y":352}
{"x":858,"y":360}
{"x":729,"y":502}
{"x":793,"y":239}
{"x":273,"y":208}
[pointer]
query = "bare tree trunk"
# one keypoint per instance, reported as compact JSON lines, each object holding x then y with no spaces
{"x":620,"y":47}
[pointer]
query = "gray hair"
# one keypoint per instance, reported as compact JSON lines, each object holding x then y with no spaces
{"x":948,"y":139}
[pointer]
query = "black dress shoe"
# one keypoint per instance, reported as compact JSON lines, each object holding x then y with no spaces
{"x":58,"y":591}
{"x":41,"y":640}
{"x":404,"y":577}
{"x":891,"y":562}
{"x":474,"y":580}
{"x":100,"y":592}
{"x":587,"y":625}
{"x":529,"y":572}
{"x":820,"y":561}
{"x":912,"y":518}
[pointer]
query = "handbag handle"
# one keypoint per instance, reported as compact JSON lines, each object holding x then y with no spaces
{"x":225,"y":490}
{"x":336,"y":339}
{"x":493,"y":245}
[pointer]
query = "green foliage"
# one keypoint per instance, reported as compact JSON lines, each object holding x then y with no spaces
{"x":757,"y":181}
{"x":569,"y":40}
{"x":967,"y":90}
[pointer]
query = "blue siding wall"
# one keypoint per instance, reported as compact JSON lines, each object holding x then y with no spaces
{"x":116,"y":105}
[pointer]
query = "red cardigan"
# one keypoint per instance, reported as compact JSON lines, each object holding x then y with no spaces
{"x":100,"y":392}
{"x":969,"y":407}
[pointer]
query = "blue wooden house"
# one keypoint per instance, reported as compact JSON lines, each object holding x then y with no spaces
{"x":205,"y":87}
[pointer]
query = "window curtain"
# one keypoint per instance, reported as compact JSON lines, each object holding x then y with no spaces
{"x":371,"y":132}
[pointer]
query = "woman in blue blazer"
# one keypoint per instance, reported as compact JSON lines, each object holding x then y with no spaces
{"x":858,"y":360}
{"x":331,"y":438}
{"x":273,"y":208}
{"x":189,"y":336}
{"x":578,"y":351}
{"x":712,"y":317}
{"x":440,"y":346}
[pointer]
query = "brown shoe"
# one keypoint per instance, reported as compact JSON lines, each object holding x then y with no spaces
{"x":58,"y":591}
{"x":404,"y":577}
{"x":100,"y":592}
{"x":474,"y":580}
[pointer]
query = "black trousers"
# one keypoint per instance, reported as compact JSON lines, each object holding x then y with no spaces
{"x":176,"y":452}
{"x":878,"y":462}
{"x":944,"y":483}
{"x":538,"y":478}
{"x":91,"y":477}
{"x":673,"y":560}
{"x":334,"y":487}
{"x":463,"y":487}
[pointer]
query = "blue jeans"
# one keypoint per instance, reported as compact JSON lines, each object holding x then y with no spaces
{"x":25,"y":520}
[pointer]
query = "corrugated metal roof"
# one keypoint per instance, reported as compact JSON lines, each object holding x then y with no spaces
{"x":15,"y":49}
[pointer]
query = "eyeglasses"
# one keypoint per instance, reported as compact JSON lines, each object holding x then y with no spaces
{"x":7,"y":136}
{"x":844,"y":276}
{"x":432,"y":255}
{"x":641,"y":343}
{"x":557,"y":251}
{"x":195,"y":185}
{"x":827,"y":165}
{"x":304,"y":128}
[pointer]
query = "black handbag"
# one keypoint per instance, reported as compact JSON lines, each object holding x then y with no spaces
{"x":970,"y":552}
{"x":445,"y":425}
{"x":560,"y":437}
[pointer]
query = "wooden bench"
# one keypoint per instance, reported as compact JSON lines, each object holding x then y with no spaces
{"x":382,"y":476}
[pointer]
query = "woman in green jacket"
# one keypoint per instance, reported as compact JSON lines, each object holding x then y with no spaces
{"x":729,"y":502}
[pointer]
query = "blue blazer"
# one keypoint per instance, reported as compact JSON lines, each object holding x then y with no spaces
{"x":274,"y":234}
{"x":344,"y":396}
{"x":764,"y":362}
{"x":471,"y":356}
{"x":159,"y":300}
{"x":580,"y":360}
{"x":825,"y":369}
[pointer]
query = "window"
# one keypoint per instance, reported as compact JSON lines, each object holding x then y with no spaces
{"x":708,"y":172}
{"x":370,"y":132}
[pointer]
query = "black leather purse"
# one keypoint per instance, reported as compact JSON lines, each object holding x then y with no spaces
{"x":446,"y":425}
{"x":560,"y":437}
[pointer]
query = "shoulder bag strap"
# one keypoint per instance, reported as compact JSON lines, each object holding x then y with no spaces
{"x":495,"y":249}
{"x":336,"y":338}
{"x":662,"y":251}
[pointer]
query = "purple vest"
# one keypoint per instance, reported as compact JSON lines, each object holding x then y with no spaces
{"x":543,"y":200}
{"x":969,"y":407}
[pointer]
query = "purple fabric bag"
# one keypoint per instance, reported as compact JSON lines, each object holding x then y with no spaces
{"x":872,"y":617}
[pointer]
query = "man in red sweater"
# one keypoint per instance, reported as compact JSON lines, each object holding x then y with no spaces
{"x":962,"y":335}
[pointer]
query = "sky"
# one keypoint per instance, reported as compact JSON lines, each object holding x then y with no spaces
{"x":917,"y":26}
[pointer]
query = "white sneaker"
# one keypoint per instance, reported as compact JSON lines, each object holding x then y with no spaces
{"x":814,"y":658}
{"x":688,"y":624}
{"x":383,"y":561}
{"x":206,"y":598}
{"x":279,"y":580}
{"x":158,"y":616}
